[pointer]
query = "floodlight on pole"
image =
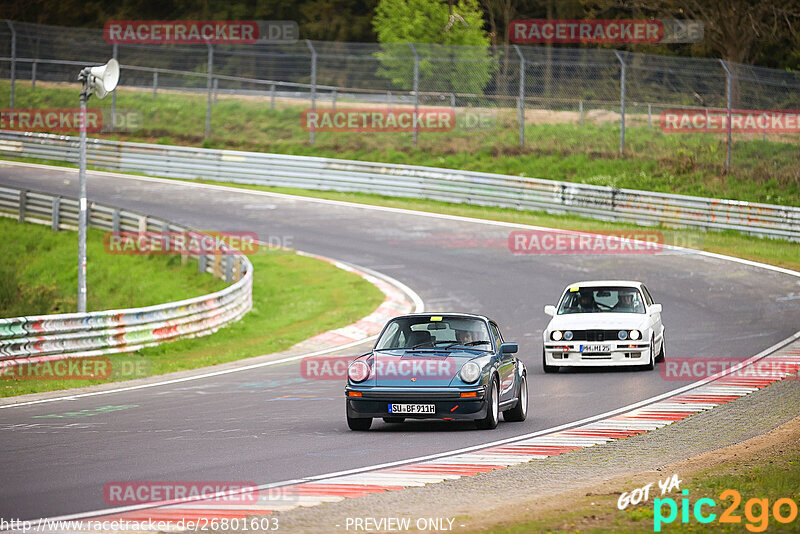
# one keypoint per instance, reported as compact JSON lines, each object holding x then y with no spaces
{"x":99,"y":81}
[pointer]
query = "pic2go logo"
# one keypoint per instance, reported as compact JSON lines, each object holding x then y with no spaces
{"x":756,"y":511}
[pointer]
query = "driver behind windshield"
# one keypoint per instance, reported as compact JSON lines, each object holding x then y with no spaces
{"x":587,"y":302}
{"x":465,"y":337}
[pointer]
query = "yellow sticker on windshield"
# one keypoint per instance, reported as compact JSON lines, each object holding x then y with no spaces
{"x":573,"y":289}
{"x":436,"y":318}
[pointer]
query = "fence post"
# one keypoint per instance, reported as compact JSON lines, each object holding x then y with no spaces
{"x":155,"y":84}
{"x":56,"y":213}
{"x":580,"y":111}
{"x":272,"y":97}
{"x":115,"y":55}
{"x":728,"y":98}
{"x":209,"y":77}
{"x":33,"y":74}
{"x":228,"y":268}
{"x":621,"y":102}
{"x":521,"y":100}
{"x":649,"y":116}
{"x":216,"y":89}
{"x":311,"y":132}
{"x":23,"y":202}
{"x":13,"y":61}
{"x":388,"y":101}
{"x":416,"y":91}
{"x":333,"y":100}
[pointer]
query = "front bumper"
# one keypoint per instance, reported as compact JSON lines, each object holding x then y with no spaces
{"x":569,"y":354}
{"x":374,"y":402}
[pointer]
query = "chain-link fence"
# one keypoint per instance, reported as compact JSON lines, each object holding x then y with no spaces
{"x":523,"y":85}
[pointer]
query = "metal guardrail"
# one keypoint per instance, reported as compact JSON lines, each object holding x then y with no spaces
{"x":599,"y":202}
{"x":74,"y":335}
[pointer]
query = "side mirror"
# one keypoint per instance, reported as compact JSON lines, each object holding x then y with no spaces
{"x":550,"y":310}
{"x":655,"y":308}
{"x":509,"y":348}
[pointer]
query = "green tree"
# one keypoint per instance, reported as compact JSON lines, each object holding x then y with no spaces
{"x":448,"y":37}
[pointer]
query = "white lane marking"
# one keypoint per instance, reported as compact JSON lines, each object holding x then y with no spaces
{"x":416,"y":300}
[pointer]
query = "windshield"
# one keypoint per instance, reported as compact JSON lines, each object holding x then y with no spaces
{"x":601,"y":300}
{"x":439,"y":332}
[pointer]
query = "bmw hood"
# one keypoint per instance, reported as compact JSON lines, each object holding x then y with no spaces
{"x":598,"y":321}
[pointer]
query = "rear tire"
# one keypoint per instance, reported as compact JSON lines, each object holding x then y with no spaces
{"x":359,"y":423}
{"x":493,"y":409}
{"x":520,"y":411}
{"x":393,"y":419}
{"x":548,"y":368}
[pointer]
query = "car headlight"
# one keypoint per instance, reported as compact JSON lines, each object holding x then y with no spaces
{"x":470,"y":372}
{"x":556,"y":335}
{"x":635,"y":334}
{"x":622,"y":334}
{"x":568,"y":335}
{"x":358,"y":371}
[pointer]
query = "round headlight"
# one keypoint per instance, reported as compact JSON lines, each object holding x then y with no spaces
{"x":556,"y":335}
{"x":568,"y":335}
{"x":358,"y":371}
{"x":635,"y":334}
{"x":622,"y":334}
{"x":470,"y":372}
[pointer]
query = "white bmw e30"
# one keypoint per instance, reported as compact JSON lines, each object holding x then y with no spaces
{"x":606,"y":322}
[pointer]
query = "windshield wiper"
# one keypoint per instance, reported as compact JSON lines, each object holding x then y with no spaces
{"x":468,"y":344}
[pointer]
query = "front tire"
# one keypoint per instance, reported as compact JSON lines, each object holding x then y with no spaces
{"x":520,"y":411}
{"x":649,"y":366}
{"x":662,"y":352}
{"x":493,"y":409}
{"x":359,"y":423}
{"x":548,"y":368}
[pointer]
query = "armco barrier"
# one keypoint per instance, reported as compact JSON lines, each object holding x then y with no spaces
{"x":49,"y":337}
{"x":479,"y":188}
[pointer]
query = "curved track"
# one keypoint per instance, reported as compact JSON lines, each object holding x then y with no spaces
{"x":268,"y":425}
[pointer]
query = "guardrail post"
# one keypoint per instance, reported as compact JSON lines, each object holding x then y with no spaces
{"x":730,"y":114}
{"x":115,"y":221}
{"x":649,"y":116}
{"x":23,"y":204}
{"x":209,"y":76}
{"x":155,"y":84}
{"x":272,"y":97}
{"x":313,"y":87}
{"x":56,"y":213}
{"x":115,"y":55}
{"x":13,"y":62}
{"x":216,"y":265}
{"x":216,"y":89}
{"x":521,"y":98}
{"x":580,"y":112}
{"x":236,"y":268}
{"x":416,"y":91}
{"x":33,"y":74}
{"x":621,"y":102}
{"x":202,"y":263}
{"x":333,"y":100}
{"x":228,"y":268}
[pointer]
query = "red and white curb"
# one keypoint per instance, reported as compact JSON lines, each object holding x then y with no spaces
{"x":737,"y":382}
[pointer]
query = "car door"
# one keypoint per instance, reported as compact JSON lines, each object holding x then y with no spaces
{"x":655,"y":319}
{"x":506,"y":368}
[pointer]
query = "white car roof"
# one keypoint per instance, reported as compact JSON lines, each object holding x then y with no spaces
{"x":600,"y":283}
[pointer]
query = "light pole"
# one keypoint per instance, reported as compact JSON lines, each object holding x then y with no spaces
{"x":100,"y":81}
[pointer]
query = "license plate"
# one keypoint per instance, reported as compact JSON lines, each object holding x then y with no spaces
{"x":412,"y":408}
{"x":595,"y":348}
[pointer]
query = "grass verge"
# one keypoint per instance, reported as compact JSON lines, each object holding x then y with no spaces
{"x":763,"y":170}
{"x":294,"y":298}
